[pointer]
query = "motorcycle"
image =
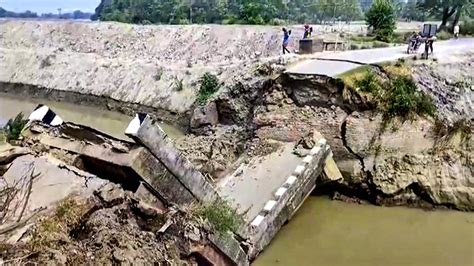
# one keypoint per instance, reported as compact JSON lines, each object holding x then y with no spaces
{"x":413,"y":45}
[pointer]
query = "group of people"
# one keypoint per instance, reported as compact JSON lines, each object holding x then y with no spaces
{"x":308,"y":31}
{"x":418,"y":38}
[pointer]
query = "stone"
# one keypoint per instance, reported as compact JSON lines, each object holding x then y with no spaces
{"x":205,"y":116}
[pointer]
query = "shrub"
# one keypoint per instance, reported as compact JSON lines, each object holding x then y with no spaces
{"x":402,"y":37}
{"x":209,"y":86}
{"x":277,"y":22}
{"x":379,"y":44}
{"x":14,"y":127}
{"x":467,"y":27}
{"x":369,"y":83}
{"x":382,"y":18}
{"x":404,"y":98}
{"x":397,"y":97}
{"x":354,"y":46}
{"x":444,"y":35}
{"x":220,"y":215}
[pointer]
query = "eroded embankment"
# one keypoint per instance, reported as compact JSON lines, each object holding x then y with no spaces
{"x":389,"y":160}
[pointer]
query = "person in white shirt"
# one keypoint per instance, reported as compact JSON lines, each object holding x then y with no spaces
{"x":456,"y":31}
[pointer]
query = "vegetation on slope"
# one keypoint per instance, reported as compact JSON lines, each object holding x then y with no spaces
{"x":396,"y":96}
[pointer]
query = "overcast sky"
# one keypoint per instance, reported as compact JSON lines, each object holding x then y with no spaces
{"x":46,"y":6}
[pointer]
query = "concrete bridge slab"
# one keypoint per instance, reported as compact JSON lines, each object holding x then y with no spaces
{"x":252,"y":185}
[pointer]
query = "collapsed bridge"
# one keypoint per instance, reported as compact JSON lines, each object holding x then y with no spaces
{"x":155,"y":170}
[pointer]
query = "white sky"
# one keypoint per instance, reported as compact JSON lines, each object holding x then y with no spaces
{"x":46,"y":6}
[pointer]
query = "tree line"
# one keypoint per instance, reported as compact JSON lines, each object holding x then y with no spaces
{"x":228,"y":11}
{"x":28,"y":14}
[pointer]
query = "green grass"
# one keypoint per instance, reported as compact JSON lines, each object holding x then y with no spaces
{"x":209,"y":86}
{"x":220,"y":215}
{"x":398,"y":96}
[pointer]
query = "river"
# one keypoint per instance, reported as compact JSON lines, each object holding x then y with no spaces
{"x":326,"y":232}
{"x":112,"y":123}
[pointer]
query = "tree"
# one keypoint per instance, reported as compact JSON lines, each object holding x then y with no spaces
{"x":352,"y":10}
{"x":446,"y":8}
{"x":382,"y":19}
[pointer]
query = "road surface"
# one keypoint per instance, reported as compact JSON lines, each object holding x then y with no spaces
{"x":320,"y":66}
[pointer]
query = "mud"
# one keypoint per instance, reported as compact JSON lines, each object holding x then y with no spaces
{"x":111,"y":227}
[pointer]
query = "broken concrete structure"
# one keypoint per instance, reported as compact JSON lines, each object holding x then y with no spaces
{"x":157,"y":172}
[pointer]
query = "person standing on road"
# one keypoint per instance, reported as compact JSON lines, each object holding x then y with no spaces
{"x":286,"y":40}
{"x":456,"y":31}
{"x":307,"y":31}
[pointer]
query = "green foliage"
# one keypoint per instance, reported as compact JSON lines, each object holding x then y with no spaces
{"x":444,"y":35}
{"x":220,"y":215}
{"x":274,"y":12}
{"x":467,"y":27}
{"x":403,"y":98}
{"x":379,"y":44}
{"x":402,"y":37}
{"x":397,"y":97}
{"x":382,"y":18}
{"x":209,"y":86}
{"x":369,"y":83}
{"x":14,"y":127}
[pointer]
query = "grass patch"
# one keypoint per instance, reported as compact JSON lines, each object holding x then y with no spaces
{"x":398,"y":96}
{"x":53,"y":230}
{"x":178,"y":84}
{"x":220,"y":215}
{"x":350,"y":77}
{"x":369,"y":82}
{"x":362,"y":38}
{"x":209,"y":86}
{"x":379,"y":44}
{"x":403,"y":99}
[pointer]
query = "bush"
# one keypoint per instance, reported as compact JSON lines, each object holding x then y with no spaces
{"x":14,"y":127}
{"x":467,"y":27}
{"x":221,"y":216}
{"x":444,"y":35}
{"x":397,"y":97}
{"x":354,"y":46}
{"x":277,"y":22}
{"x":379,"y":44}
{"x":402,"y":37}
{"x":209,"y":86}
{"x":369,"y":83}
{"x":404,"y":98}
{"x":382,"y":18}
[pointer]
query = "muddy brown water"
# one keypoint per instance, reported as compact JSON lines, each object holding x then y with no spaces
{"x":112,"y":123}
{"x":326,"y":232}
